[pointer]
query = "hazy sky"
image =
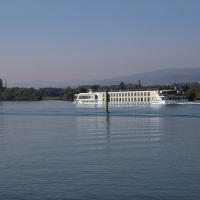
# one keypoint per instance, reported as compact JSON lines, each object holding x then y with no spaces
{"x":60,"y":40}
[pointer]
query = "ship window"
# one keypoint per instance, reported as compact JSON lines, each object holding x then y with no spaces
{"x":144,"y":93}
{"x":141,"y":99}
{"x":125,"y":99}
{"x":122,"y":94}
{"x":125,"y":94}
{"x":122,"y":99}
{"x":119,"y":94}
{"x":119,"y":99}
{"x":141,"y":93}
{"x":135,"y":94}
{"x":128,"y":99}
{"x":86,"y":97}
{"x":129,"y":94}
{"x":116,"y":94}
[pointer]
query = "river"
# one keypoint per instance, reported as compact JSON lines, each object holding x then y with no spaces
{"x":59,"y":150}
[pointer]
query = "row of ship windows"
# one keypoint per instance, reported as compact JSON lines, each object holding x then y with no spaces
{"x":90,"y":101}
{"x":129,"y":94}
{"x":129,"y":99}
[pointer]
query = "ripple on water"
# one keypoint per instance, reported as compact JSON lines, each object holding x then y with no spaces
{"x":58,"y":150}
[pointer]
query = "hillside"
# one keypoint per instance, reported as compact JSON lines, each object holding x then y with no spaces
{"x":162,"y":77}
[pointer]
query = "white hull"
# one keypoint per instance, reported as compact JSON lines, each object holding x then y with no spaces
{"x":159,"y":102}
{"x":165,"y":102}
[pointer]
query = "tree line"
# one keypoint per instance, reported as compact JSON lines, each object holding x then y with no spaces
{"x":54,"y":92}
{"x":18,"y":94}
{"x":191,"y":90}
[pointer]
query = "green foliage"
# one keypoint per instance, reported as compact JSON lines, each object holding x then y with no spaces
{"x":54,"y":92}
{"x":24,"y":94}
{"x":20,"y":94}
{"x":70,"y":95}
{"x":84,"y":88}
{"x":1,"y":85}
{"x":139,"y":85}
{"x":122,"y":86}
{"x":184,"y":88}
{"x":197,"y":97}
{"x":52,"y":98}
{"x":81,"y":89}
{"x":190,"y":95}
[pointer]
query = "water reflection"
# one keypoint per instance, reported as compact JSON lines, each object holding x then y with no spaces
{"x":1,"y":104}
{"x":108,"y":135}
{"x":119,"y":132}
{"x":1,"y":120}
{"x":71,"y":151}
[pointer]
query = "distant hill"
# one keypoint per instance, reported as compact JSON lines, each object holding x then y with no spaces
{"x":163,"y":77}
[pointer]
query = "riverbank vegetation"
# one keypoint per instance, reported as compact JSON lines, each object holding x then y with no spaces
{"x":191,"y":90}
{"x":18,"y":94}
{"x":52,"y":98}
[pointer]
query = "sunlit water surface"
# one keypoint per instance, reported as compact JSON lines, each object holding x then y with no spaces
{"x":58,"y":150}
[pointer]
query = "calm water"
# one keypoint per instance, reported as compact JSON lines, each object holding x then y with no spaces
{"x":58,"y":150}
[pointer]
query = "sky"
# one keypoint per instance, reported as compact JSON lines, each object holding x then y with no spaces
{"x":62,"y":40}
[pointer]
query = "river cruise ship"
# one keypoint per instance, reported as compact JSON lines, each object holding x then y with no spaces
{"x":131,"y":97}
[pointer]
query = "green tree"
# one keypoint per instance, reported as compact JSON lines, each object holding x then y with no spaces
{"x":122,"y":86}
{"x":81,"y":89}
{"x":1,"y":85}
{"x":139,"y":85}
{"x":184,"y":88}
{"x":20,"y":94}
{"x":70,"y":95}
{"x":197,"y":97}
{"x":190,"y":95}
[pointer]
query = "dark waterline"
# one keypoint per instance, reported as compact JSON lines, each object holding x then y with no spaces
{"x":58,"y":150}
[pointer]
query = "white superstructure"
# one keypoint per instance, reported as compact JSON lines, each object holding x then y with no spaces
{"x":131,"y":97}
